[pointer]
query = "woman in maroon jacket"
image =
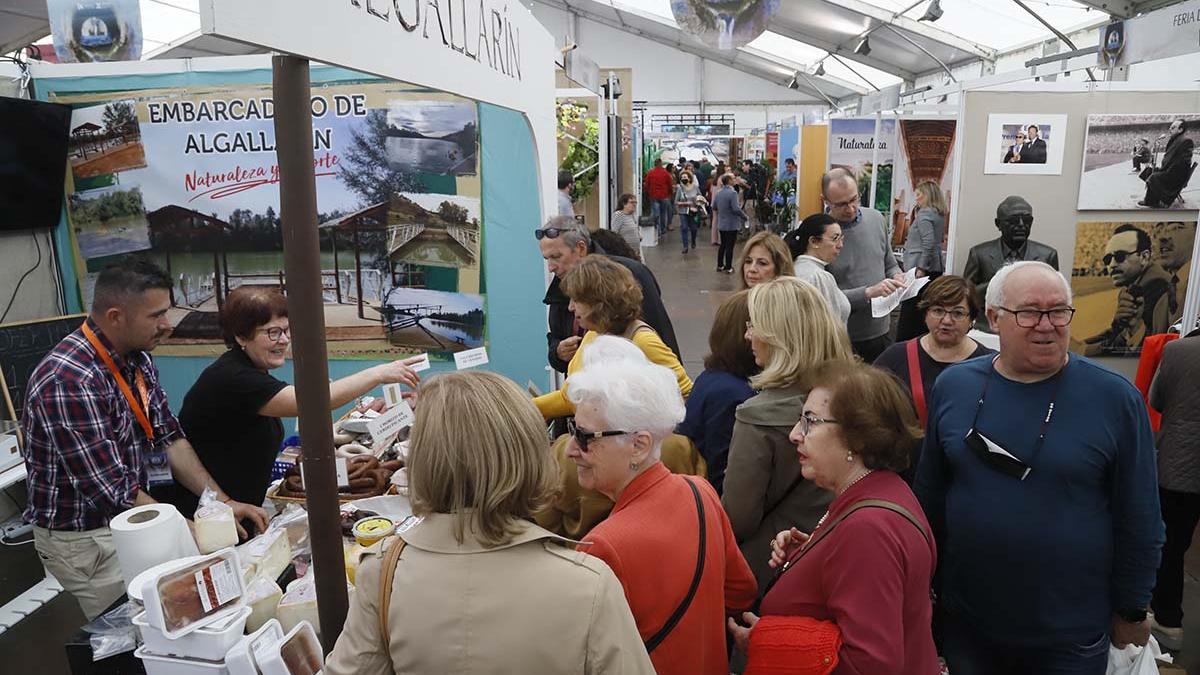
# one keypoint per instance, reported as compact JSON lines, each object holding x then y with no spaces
{"x":867,"y":566}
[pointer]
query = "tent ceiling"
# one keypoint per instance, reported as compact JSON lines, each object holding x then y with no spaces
{"x":1124,"y":9}
{"x":756,"y":62}
{"x":22,"y":22}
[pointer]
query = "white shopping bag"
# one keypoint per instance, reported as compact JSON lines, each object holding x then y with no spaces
{"x":1134,"y":660}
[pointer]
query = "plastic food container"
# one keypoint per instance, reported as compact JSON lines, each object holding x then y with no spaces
{"x":210,"y":642}
{"x":166,"y":665}
{"x":299,"y":653}
{"x":201,"y":593}
{"x":370,"y":530}
{"x":240,"y":657}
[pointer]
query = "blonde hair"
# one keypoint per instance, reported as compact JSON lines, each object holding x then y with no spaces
{"x":934,"y":198}
{"x":780,"y":254}
{"x":493,"y":472}
{"x":792,"y":317}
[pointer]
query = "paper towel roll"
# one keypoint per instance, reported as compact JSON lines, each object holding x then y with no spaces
{"x":150,"y":535}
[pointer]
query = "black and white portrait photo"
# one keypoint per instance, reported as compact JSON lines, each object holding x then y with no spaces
{"x":1140,"y":162}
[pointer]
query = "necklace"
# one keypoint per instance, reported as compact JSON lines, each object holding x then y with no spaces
{"x":861,"y":476}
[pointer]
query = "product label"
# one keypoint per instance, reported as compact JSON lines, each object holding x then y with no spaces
{"x":391,"y":422}
{"x":217,"y":584}
{"x":392,"y":394}
{"x":471,"y":358}
{"x":264,"y":645}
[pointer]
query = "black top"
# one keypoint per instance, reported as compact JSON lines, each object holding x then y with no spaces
{"x":894,"y":359}
{"x":220,"y":418}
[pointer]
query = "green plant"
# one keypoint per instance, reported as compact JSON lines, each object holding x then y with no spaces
{"x":583,"y":153}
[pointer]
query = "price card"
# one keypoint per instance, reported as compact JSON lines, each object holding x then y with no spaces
{"x":423,"y":364}
{"x":392,"y":421}
{"x":339,"y":466}
{"x":471,"y":358}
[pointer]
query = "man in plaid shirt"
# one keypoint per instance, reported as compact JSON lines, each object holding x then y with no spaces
{"x":86,"y":445}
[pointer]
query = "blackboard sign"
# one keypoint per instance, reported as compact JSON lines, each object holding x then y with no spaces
{"x":22,"y":346}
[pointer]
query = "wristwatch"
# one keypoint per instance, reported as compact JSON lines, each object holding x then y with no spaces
{"x":1131,"y":615}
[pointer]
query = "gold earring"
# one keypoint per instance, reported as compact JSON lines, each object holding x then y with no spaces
{"x":849,"y":456}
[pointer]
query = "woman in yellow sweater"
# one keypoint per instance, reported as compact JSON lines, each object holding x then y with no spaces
{"x":607,"y":300}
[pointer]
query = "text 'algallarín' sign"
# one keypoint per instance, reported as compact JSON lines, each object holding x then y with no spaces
{"x":478,"y":30}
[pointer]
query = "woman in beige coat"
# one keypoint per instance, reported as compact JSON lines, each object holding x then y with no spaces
{"x":477,"y":587}
{"x":791,"y":332}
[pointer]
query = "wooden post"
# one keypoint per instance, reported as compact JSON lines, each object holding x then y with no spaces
{"x":306,"y":309}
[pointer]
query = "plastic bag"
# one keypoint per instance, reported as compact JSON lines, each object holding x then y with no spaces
{"x":113,"y":633}
{"x":295,"y":519}
{"x":216,"y":527}
{"x":1134,"y":660}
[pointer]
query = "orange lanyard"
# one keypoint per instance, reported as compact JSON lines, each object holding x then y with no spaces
{"x":139,"y":411}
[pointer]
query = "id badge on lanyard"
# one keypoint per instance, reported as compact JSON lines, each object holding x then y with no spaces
{"x":158,"y":469}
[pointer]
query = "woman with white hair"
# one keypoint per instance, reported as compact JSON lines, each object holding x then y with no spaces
{"x":667,"y":539}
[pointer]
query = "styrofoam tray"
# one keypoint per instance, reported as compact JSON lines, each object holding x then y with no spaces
{"x":166,"y":665}
{"x":240,"y":657}
{"x":210,"y":642}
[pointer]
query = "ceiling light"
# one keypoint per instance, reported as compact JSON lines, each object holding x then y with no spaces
{"x":794,"y":83}
{"x":864,"y":47}
{"x":933,"y":12}
{"x":820,"y":69}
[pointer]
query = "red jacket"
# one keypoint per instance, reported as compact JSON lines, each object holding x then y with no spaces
{"x":871,"y":577}
{"x":658,"y":183}
{"x":1152,"y":353}
{"x":649,"y":540}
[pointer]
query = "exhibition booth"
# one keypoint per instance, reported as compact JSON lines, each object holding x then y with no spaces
{"x":426,"y":159}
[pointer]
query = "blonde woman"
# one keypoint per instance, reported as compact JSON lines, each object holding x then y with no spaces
{"x":923,"y":246}
{"x":764,"y":257}
{"x":476,"y":486}
{"x":791,"y":332}
{"x":923,"y":252}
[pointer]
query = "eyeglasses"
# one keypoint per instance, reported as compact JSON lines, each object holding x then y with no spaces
{"x":583,"y":436}
{"x":1020,"y":136}
{"x":275,"y":333}
{"x":547,"y":233}
{"x":841,"y":205}
{"x":835,"y":238}
{"x":1028,"y":318}
{"x":1118,"y":256}
{"x":809,"y":420}
{"x":957,"y":314}
{"x":1020,"y":219}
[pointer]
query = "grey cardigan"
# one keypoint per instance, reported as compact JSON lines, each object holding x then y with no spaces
{"x":923,"y":245}
{"x":1176,"y":395}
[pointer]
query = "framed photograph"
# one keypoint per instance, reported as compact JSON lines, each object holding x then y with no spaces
{"x":1129,"y":280}
{"x":1025,"y":143}
{"x":1139,"y":162}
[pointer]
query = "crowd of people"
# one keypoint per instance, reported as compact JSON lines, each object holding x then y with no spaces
{"x":819,"y":497}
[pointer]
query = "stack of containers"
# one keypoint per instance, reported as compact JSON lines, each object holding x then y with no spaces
{"x":195,"y":621}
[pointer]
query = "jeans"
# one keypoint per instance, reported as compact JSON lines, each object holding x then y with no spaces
{"x":1180,"y":513}
{"x":687,"y":230}
{"x":725,"y":252}
{"x":968,"y":652}
{"x":661,"y":208}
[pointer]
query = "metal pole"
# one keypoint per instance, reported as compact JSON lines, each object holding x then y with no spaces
{"x":1057,"y":33}
{"x":928,"y":53}
{"x":306,"y":308}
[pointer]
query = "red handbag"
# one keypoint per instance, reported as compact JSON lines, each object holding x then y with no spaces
{"x":793,"y":645}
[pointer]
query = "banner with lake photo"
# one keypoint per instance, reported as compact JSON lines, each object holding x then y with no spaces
{"x":187,"y":177}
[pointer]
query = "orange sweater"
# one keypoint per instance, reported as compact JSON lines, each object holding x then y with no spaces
{"x":650,"y":542}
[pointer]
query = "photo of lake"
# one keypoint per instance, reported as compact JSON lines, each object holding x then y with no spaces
{"x":432,"y":136}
